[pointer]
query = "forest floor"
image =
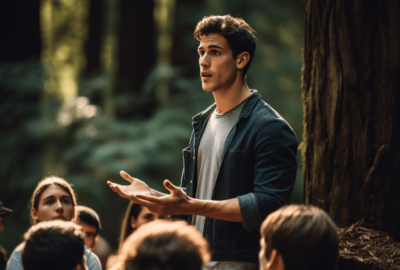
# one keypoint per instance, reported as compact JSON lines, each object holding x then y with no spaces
{"x":362,"y":246}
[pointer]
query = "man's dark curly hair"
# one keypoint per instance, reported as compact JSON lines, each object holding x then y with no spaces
{"x":239,"y":34}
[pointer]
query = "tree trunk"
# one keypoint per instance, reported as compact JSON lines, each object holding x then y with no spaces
{"x":351,"y":81}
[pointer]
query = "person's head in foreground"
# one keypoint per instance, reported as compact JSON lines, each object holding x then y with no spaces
{"x":54,"y":245}
{"x":4,"y":211}
{"x":88,"y":219}
{"x":226,"y":50}
{"x":53,"y":199}
{"x":298,"y":237}
{"x":136,"y":216}
{"x":163,"y":244}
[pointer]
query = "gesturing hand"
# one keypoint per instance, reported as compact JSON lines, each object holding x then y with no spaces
{"x":135,"y":188}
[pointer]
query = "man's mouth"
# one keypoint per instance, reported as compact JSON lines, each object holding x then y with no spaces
{"x":205,"y":74}
{"x":59,"y":218}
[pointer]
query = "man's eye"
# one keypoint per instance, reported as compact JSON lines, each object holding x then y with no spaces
{"x":49,"y":202}
{"x":201,"y":53}
{"x":67,"y":201}
{"x":216,"y":53}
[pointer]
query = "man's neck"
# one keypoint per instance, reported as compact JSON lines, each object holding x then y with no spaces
{"x":227,"y":99}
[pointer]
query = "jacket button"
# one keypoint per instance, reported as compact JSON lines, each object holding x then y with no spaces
{"x":191,"y":181}
{"x":193,"y":157}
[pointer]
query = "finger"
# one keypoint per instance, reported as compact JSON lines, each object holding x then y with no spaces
{"x":173,"y":189}
{"x":126,"y":176}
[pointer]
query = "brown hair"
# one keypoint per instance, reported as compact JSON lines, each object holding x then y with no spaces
{"x":44,"y":184}
{"x":166,"y":245}
{"x":304,"y":235}
{"x":239,"y":34}
{"x":132,"y":210}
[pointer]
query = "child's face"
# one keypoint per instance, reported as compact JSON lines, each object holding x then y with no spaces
{"x":54,"y":203}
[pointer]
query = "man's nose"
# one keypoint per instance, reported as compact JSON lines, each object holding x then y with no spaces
{"x":205,"y":61}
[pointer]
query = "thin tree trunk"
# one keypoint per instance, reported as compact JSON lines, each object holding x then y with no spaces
{"x":164,"y":18}
{"x":351,"y":97}
{"x":63,"y":31}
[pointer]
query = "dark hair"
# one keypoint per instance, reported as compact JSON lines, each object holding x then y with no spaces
{"x":44,"y":184}
{"x":239,"y":34}
{"x":132,"y":210}
{"x":3,"y":258}
{"x":304,"y":235}
{"x":89,"y":216}
{"x":165,"y":244}
{"x":53,"y":245}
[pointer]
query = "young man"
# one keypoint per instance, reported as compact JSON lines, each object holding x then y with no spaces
{"x":54,"y":245}
{"x":241,"y":162}
{"x":165,"y":244}
{"x":88,"y":219}
{"x":298,"y":237}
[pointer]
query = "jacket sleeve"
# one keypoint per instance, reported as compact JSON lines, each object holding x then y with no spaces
{"x":274,"y":173}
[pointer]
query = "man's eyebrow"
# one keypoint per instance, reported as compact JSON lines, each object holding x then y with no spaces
{"x":212,"y":46}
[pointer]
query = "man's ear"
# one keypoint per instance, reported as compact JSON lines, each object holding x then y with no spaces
{"x":242,"y":60}
{"x":275,"y":261}
{"x":96,"y":239}
{"x":34,"y":214}
{"x":133,"y":223}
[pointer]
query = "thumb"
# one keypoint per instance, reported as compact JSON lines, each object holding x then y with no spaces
{"x":171,"y":188}
{"x":126,"y":176}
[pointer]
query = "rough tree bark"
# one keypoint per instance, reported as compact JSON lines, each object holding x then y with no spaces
{"x":351,"y":81}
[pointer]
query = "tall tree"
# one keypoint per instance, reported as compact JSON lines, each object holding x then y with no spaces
{"x":351,"y":97}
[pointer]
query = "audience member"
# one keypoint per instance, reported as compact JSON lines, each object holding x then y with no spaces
{"x":90,"y":222}
{"x":3,"y":255}
{"x":53,"y":199}
{"x":3,"y":212}
{"x":162,"y":244}
{"x":298,"y":237}
{"x":54,"y":245}
{"x":135,"y":216}
{"x":91,"y":225}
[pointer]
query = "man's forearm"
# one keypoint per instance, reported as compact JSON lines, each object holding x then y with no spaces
{"x":228,"y":210}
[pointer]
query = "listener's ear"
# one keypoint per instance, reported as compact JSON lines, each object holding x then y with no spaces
{"x":34,"y":214}
{"x":242,"y":60}
{"x":275,"y":261}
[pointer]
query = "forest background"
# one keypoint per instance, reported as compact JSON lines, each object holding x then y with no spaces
{"x":92,"y":87}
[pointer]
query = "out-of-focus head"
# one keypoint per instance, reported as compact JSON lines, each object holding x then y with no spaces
{"x":165,"y":244}
{"x":88,"y":219}
{"x":53,"y":199}
{"x":298,"y":237}
{"x":239,"y":34}
{"x":4,"y":211}
{"x":53,"y":245}
{"x":135,"y":216}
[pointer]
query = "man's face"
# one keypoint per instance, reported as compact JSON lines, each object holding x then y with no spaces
{"x":1,"y":224}
{"x":262,"y":260}
{"x":218,"y":69}
{"x":90,"y":234}
{"x":54,"y":204}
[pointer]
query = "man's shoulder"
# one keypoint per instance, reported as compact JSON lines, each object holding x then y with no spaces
{"x":263,"y":113}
